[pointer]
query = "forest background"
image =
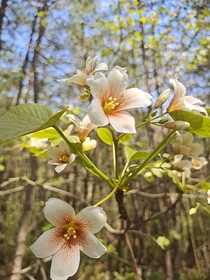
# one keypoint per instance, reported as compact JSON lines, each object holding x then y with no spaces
{"x":43,"y":41}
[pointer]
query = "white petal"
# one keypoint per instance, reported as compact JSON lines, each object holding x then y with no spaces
{"x":99,"y":86}
{"x":100,"y":67}
{"x":56,"y":210}
{"x":123,"y":122}
{"x":118,"y":81}
{"x":96,"y":113}
{"x":65,"y":263}
{"x":94,"y":248}
{"x":79,"y":79}
{"x":46,"y":245}
{"x":134,"y":98}
{"x":179,"y":88}
{"x":60,"y":167}
{"x":193,"y":100}
{"x":94,"y":216}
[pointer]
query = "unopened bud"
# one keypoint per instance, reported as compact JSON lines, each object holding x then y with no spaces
{"x":85,"y":96}
{"x":88,"y":144}
{"x":177,"y":125}
{"x":163,"y":121}
{"x":192,"y":211}
{"x":162,"y":98}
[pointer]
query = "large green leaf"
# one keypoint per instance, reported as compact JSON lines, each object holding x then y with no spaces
{"x":105,"y":135}
{"x":199,"y":124}
{"x":26,"y":118}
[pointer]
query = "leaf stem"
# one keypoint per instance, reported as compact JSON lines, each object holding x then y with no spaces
{"x":108,"y":196}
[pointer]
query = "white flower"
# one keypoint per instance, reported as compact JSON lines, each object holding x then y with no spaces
{"x":81,"y":77}
{"x":198,"y":162}
{"x":184,"y":145}
{"x":89,"y":144}
{"x":84,"y":127}
{"x":61,"y":156}
{"x":71,"y":234}
{"x":183,"y":165}
{"x":180,"y":101}
{"x":111,"y":99}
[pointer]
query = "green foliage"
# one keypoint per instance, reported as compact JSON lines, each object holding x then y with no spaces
{"x":105,"y":135}
{"x":199,"y":124}
{"x":25,"y":119}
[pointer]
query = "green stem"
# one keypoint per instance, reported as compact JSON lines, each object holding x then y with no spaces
{"x":84,"y":159}
{"x":154,"y":153}
{"x":108,"y":196}
{"x":115,"y":158}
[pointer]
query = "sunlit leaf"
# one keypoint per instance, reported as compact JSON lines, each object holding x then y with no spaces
{"x":26,"y":118}
{"x":105,"y":135}
{"x":199,"y":124}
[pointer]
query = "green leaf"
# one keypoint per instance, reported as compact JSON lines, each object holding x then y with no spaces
{"x":199,"y":124}
{"x":46,"y":133}
{"x":125,"y":138}
{"x":139,"y":155}
{"x":129,"y":152}
{"x":105,"y":135}
{"x":26,"y":118}
{"x":163,"y":242}
{"x":205,"y":186}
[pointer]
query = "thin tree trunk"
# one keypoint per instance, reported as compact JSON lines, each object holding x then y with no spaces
{"x":2,"y":15}
{"x":24,"y":224}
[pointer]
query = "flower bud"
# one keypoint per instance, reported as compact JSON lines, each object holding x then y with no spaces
{"x":177,"y":125}
{"x":162,"y":98}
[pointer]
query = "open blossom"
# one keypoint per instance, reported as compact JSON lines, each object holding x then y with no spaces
{"x":71,"y":234}
{"x":198,"y":162}
{"x":182,"y":164}
{"x":84,"y":127}
{"x":180,"y":101}
{"x":60,"y":156}
{"x":111,"y":99}
{"x":184,"y":145}
{"x":91,"y":67}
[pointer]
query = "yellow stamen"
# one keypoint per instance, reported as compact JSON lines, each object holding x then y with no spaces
{"x":64,"y":158}
{"x":110,"y":105}
{"x":70,"y":231}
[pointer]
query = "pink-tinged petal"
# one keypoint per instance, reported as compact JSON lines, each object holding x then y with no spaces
{"x":123,"y":122}
{"x":96,"y":113}
{"x":193,"y":100}
{"x":99,"y":86}
{"x":134,"y":98}
{"x":65,"y":263}
{"x":46,"y":245}
{"x":93,"y":247}
{"x":79,"y":79}
{"x":56,"y":210}
{"x":94,"y":216}
{"x":118,"y":81}
{"x":179,"y":88}
{"x":61,"y":167}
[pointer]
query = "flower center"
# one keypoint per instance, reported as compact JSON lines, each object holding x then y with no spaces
{"x":70,"y":231}
{"x":110,"y":105}
{"x":63,"y":158}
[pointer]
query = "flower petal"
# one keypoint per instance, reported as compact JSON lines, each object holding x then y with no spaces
{"x":79,"y":79}
{"x":94,"y":248}
{"x":123,"y":122}
{"x":65,"y":263}
{"x":56,"y":210}
{"x":118,"y":81}
{"x":134,"y":98}
{"x":99,"y":86}
{"x":46,"y":245}
{"x":96,"y":113}
{"x":100,"y":67}
{"x":94,"y":216}
{"x":60,"y":167}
